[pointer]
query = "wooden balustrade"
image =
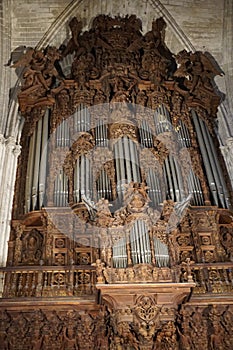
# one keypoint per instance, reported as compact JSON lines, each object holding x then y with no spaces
{"x":210,"y":278}
{"x":49,"y":281}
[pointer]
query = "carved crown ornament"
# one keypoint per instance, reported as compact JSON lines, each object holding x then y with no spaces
{"x":114,"y":62}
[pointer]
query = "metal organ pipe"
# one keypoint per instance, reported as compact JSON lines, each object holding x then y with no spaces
{"x":133,"y":161}
{"x":161,"y":253}
{"x":77,"y":197}
{"x":183,"y":135}
{"x":212,"y":162}
{"x":223,"y":193}
{"x":199,"y":190}
{"x":56,"y":191}
{"x":122,"y":163}
{"x":82,"y":175}
{"x":61,"y":189}
{"x":43,"y":161}
{"x":86,"y":176}
{"x":154,"y":188}
{"x":101,"y":139}
{"x":135,"y":164}
{"x":29,"y":176}
{"x":120,"y":254}
{"x":207,"y":155}
{"x":195,"y":188}
{"x":168,"y":179}
{"x":63,"y":134}
{"x":145,"y":135}
{"x":175,"y":181}
{"x":128,"y":159}
{"x":82,"y":178}
{"x":140,"y":243}
{"x":67,"y":134}
{"x":117,"y":166}
{"x":162,"y":120}
{"x":180,"y":179}
{"x":192,"y":188}
{"x":36,"y":165}
{"x":65,"y":190}
{"x":81,"y":119}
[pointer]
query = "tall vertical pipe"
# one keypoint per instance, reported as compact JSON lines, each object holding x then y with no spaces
{"x":43,"y":160}
{"x":29,"y":176}
{"x":204,"y":154}
{"x":36,"y":165}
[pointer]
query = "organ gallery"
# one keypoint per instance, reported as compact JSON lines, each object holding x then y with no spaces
{"x":122,"y":229}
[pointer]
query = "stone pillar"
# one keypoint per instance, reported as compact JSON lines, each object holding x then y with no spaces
{"x":9,"y":152}
{"x":228,"y":156}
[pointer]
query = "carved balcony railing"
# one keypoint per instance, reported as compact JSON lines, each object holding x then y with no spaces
{"x":140,"y":273}
{"x":49,"y":281}
{"x":214,"y":278}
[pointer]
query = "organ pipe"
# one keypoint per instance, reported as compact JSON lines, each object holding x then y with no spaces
{"x":205,"y":157}
{"x":82,"y":179}
{"x":134,"y":161}
{"x":145,"y":135}
{"x":140,"y":243}
{"x":81,"y":119}
{"x":154,"y":190}
{"x":61,"y":189}
{"x":168,"y":179}
{"x":212,"y":167}
{"x":101,"y":138}
{"x":36,"y":165}
{"x":63,"y":134}
{"x":212,"y":163}
{"x":194,"y":187}
{"x":77,"y":197}
{"x":161,"y":253}
{"x":43,"y":161}
{"x":223,"y":193}
{"x":183,"y":135}
{"x":120,"y":254}
{"x":173,"y":179}
{"x":122,"y":162}
{"x":126,"y":160}
{"x":180,"y":189}
{"x":104,"y":186}
{"x":162,"y":120}
{"x":28,"y":188}
{"x":117,"y":166}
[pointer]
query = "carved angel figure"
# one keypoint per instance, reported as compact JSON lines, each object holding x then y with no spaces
{"x":198,"y":69}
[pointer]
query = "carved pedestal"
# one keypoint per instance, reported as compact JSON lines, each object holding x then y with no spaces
{"x":143,"y":315}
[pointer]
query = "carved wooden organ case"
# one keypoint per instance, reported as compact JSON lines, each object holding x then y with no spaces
{"x":121,"y":190}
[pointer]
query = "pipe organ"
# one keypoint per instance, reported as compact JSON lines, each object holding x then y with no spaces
{"x":124,"y":193}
